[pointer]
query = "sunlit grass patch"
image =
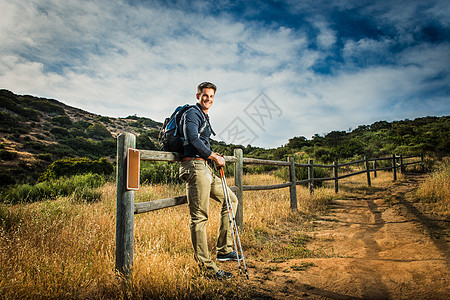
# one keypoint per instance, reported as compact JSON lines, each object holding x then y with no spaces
{"x":57,"y":249}
{"x":436,"y":189}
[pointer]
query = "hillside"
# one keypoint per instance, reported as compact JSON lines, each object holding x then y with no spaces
{"x":37,"y":131}
{"x":428,"y":135}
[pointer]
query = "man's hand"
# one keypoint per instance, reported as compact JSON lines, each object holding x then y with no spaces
{"x":218,"y":159}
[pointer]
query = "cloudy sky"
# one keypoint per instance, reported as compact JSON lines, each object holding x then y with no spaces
{"x":283,"y":68}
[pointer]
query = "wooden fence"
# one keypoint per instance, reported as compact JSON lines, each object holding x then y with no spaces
{"x":126,"y":208}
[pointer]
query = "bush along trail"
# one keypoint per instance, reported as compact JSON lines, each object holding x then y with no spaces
{"x":380,"y":244}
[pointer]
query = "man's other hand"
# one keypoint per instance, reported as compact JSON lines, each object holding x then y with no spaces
{"x":218,"y":159}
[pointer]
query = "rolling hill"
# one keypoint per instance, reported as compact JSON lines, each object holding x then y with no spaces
{"x":37,"y":131}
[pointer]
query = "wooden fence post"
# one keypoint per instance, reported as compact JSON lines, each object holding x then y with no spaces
{"x":311,"y":176}
{"x":369,"y":183}
{"x":125,"y":207}
{"x":336,"y":180}
{"x":293,"y":189}
{"x":394,"y":166}
{"x":239,"y":182}
{"x":375,"y":168}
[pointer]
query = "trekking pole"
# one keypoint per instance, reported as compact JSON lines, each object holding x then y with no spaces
{"x":233,"y":224}
{"x":230,"y":214}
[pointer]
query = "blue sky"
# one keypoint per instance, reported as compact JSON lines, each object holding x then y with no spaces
{"x":283,"y":68}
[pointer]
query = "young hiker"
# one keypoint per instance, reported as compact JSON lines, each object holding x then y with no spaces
{"x":202,"y":184}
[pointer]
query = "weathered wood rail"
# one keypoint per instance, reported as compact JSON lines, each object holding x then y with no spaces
{"x":126,"y":208}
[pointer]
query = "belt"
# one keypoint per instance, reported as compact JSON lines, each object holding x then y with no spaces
{"x":187,"y":158}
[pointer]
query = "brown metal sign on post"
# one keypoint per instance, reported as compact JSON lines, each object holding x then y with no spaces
{"x":133,"y":168}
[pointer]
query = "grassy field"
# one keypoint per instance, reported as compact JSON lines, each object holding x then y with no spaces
{"x":436,"y":189}
{"x":63,"y":249}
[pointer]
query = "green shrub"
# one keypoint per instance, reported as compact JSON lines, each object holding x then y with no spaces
{"x":7,"y":103}
{"x":38,"y":136}
{"x":35,"y":146}
{"x":136,"y":124}
{"x":43,"y":105}
{"x":259,"y":169}
{"x":45,"y":156}
{"x":86,"y":195}
{"x":76,"y":132}
{"x":109,"y":147}
{"x":98,"y":131}
{"x":80,"y":187}
{"x":143,"y":141}
{"x":82,"y":124}
{"x":153,"y":133}
{"x":91,"y":149}
{"x":7,"y":155}
{"x":60,"y":132}
{"x":28,"y":193}
{"x":62,"y":120}
{"x":6,"y":178}
{"x":11,"y":105}
{"x":84,"y":147}
{"x":302,"y":173}
{"x":91,"y":180}
{"x":103,"y":119}
{"x":60,"y":150}
{"x":74,"y":166}
{"x":30,"y":114}
{"x":159,"y":172}
{"x":10,"y":123}
{"x":150,"y":123}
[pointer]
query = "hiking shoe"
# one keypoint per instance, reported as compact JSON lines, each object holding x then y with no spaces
{"x":222,"y":275}
{"x":230,"y":256}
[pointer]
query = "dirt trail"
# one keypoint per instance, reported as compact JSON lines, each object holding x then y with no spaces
{"x":378,"y":251}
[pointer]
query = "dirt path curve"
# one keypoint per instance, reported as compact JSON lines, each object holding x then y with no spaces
{"x":378,"y":251}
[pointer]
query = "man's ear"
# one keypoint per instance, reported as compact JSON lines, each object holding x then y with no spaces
{"x":198,"y":96}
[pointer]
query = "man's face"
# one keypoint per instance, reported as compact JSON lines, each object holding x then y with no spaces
{"x":206,"y":99}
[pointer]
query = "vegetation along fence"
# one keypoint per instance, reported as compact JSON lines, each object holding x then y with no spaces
{"x":126,"y":208}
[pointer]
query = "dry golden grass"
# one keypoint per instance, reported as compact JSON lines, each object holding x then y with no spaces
{"x":56,"y":249}
{"x":60,"y":249}
{"x":436,"y":189}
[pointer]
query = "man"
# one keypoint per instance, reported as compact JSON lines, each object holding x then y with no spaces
{"x":202,"y":184}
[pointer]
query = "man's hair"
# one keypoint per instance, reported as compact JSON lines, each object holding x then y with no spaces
{"x":206,"y":85}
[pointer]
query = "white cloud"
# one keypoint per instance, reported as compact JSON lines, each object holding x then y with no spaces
{"x":119,"y":60}
{"x":327,"y":36}
{"x":143,"y":60}
{"x":364,"y":47}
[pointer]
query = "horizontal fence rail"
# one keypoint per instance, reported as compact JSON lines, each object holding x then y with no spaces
{"x":126,"y":207}
{"x":265,"y":162}
{"x":266,"y":187}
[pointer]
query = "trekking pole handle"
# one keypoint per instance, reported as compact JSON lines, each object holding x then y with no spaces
{"x":222,"y":174}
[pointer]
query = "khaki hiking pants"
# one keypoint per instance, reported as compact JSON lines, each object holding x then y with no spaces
{"x":202,"y":184}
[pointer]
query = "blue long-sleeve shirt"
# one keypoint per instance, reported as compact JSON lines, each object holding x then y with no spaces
{"x":197,"y":144}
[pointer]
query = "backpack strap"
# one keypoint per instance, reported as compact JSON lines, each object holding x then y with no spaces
{"x":205,"y":122}
{"x":202,"y":127}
